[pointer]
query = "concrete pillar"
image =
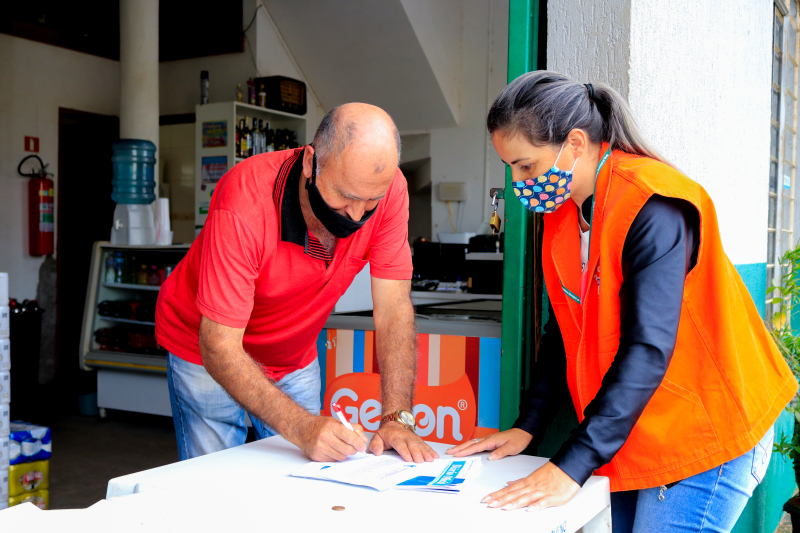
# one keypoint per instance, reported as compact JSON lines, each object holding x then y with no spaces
{"x":138,"y":57}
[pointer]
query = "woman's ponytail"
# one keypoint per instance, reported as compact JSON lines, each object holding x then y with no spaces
{"x":545,"y":106}
{"x":622,"y":132}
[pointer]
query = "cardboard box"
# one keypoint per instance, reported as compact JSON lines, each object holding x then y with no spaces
{"x":28,"y":443}
{"x":28,"y":477}
{"x":39,"y":498}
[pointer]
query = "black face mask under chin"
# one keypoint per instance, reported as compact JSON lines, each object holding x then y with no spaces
{"x":338,"y":225}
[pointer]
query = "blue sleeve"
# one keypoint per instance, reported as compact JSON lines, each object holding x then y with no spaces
{"x":660,"y":249}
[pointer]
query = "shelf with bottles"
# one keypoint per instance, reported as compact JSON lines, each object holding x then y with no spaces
{"x":218,"y":146}
{"x":119,"y":317}
{"x":255,"y":136}
{"x":147,"y":271}
{"x":133,"y":329}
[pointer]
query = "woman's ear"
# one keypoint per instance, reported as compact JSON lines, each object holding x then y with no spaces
{"x":578,"y":141}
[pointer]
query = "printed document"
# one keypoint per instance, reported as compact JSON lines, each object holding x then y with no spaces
{"x":387,"y":471}
{"x":445,"y":476}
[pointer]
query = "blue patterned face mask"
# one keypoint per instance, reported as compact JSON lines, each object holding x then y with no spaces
{"x":549,"y":191}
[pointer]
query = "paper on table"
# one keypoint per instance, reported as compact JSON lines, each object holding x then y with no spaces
{"x":377,"y":472}
{"x":448,"y":476}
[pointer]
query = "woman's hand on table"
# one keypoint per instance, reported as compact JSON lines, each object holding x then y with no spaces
{"x":548,"y":486}
{"x":510,"y":442}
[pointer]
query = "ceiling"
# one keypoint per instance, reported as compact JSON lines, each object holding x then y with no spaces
{"x":389,"y":53}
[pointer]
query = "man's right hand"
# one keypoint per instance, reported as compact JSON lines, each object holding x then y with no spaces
{"x":325,"y":439}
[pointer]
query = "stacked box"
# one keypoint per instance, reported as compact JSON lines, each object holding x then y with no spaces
{"x":39,"y":498}
{"x":5,"y":392}
{"x":26,"y":478}
{"x":28,"y":443}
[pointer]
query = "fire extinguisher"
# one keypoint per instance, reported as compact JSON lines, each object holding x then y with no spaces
{"x":41,"y":205}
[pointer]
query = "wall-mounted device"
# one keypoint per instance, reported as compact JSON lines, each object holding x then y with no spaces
{"x":453,"y":191}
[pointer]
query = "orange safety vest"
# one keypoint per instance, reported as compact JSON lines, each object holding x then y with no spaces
{"x":727,"y":382}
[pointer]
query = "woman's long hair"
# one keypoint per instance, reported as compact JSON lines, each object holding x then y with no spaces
{"x":545,"y":106}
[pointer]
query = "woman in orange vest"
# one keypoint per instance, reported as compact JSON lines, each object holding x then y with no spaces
{"x":675,"y":379}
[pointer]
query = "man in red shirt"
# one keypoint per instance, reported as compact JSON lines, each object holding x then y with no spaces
{"x":286,"y":234}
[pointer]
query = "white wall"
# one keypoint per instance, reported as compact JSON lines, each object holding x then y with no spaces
{"x":438,"y":26}
{"x":702,"y":96}
{"x":590,"y":41}
{"x":264,"y":55}
{"x":698,"y":81}
{"x":464,"y":153}
{"x":177,"y":159}
{"x":36,"y":80}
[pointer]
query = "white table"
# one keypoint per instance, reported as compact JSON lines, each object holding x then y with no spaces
{"x":249,"y":488}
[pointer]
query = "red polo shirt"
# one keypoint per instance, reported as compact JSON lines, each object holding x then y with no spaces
{"x":256,"y":266}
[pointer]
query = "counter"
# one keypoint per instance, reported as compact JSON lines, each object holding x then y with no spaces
{"x":458,"y":369}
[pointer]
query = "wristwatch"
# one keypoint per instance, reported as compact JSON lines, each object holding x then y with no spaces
{"x":404,"y":417}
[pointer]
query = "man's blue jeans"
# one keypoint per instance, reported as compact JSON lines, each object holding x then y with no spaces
{"x":709,"y":501}
{"x":208,"y":420}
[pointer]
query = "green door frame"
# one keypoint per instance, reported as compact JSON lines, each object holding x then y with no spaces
{"x":517,"y":336}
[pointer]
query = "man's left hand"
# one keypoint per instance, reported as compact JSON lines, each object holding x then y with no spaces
{"x":394,"y":435}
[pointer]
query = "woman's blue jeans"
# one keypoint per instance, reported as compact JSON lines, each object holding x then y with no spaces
{"x":709,"y":501}
{"x":208,"y":420}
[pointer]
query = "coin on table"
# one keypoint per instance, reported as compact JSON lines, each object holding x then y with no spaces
{"x":337,"y":508}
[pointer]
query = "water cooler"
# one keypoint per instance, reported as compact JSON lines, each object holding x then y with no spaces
{"x":133,"y":191}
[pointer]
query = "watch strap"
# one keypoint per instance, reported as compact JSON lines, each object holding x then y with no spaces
{"x":395,"y":417}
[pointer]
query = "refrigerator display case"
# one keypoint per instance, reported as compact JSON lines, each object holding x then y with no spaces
{"x":118,"y":333}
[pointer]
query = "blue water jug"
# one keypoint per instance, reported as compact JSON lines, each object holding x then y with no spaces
{"x":134,"y":171}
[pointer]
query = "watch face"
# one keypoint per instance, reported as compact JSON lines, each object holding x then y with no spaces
{"x":407,"y":419}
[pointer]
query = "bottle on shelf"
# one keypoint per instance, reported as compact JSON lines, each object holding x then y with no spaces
{"x":256,"y":137}
{"x":119,"y":268}
{"x":270,"y":138}
{"x":239,"y":93}
{"x":251,"y":142}
{"x":109,"y":276}
{"x":262,"y":96}
{"x":236,"y":144}
{"x":262,"y":137}
{"x":152,"y":276}
{"x":203,"y":87}
{"x":141,"y":276}
{"x":243,"y":133}
{"x":251,"y":91}
{"x":130,"y":272}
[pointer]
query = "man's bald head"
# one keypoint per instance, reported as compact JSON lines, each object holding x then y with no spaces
{"x":363,"y":129}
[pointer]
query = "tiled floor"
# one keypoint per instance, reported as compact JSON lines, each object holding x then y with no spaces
{"x":88,"y":451}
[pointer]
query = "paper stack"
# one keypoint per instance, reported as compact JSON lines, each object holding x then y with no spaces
{"x":389,"y":471}
{"x":443,"y":475}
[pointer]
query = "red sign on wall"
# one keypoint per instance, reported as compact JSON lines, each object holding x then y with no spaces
{"x":444,"y":413}
{"x":32,"y":144}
